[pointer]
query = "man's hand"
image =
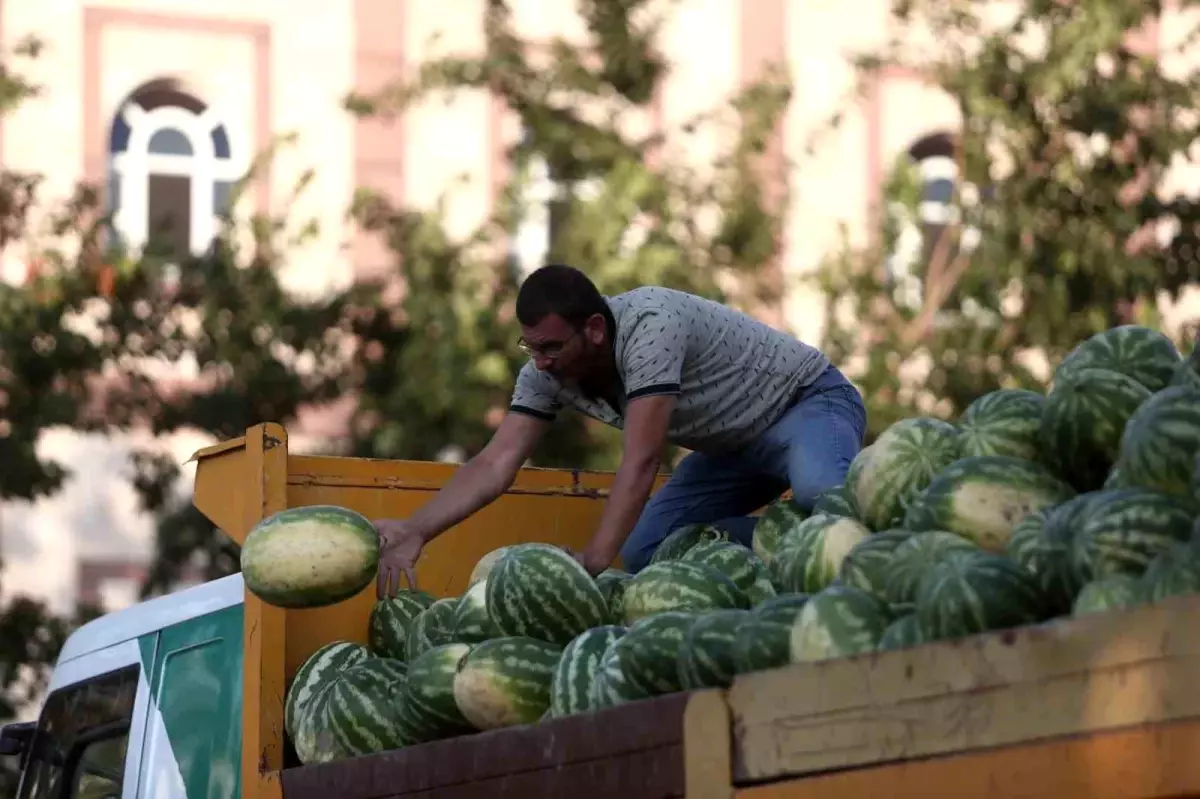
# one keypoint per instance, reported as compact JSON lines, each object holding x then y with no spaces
{"x":401,"y":546}
{"x":594,"y":562}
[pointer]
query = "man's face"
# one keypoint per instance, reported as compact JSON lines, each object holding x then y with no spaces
{"x":562,"y":351}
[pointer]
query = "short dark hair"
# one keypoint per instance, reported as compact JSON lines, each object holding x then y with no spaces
{"x":559,"y":289}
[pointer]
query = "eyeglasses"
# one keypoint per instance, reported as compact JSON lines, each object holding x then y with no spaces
{"x":551,"y":350}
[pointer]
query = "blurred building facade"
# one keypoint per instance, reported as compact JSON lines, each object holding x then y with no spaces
{"x":165,"y":102}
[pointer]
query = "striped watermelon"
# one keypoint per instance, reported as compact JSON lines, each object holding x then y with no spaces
{"x":684,"y":538}
{"x":610,"y":685}
{"x":679,"y":586}
{"x":471,"y":621}
{"x":506,"y":681}
{"x":1114,"y":479}
{"x":913,"y":558}
{"x":542,"y":592}
{"x":310,"y":556}
{"x":868,"y":564}
{"x":314,"y":677}
{"x":982,"y":498}
{"x":611,"y":583}
{"x":811,"y":554}
{"x":760,"y":644}
{"x":1118,"y":592}
{"x":484,"y":566}
{"x":976,"y":592}
{"x":1161,"y":442}
{"x":779,"y":517}
{"x":903,"y":633}
{"x":765,"y":640}
{"x":1188,"y":372}
{"x":838,"y":622}
{"x":432,"y":627}
{"x":836,"y":501}
{"x":1083,"y":422}
{"x":648,"y":653}
{"x":1003,"y":422}
{"x":1145,"y":355}
{"x":706,"y":659}
{"x":762,"y":590}
{"x":1050,"y":559}
{"x":1174,"y":572}
{"x":574,"y":676}
{"x":391,"y":619}
{"x":429,"y":710}
{"x":903,"y":460}
{"x":731,"y":559}
{"x":1121,"y":531}
{"x":364,"y":709}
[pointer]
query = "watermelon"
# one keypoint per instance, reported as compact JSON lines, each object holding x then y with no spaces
{"x":310,"y":556}
{"x":1161,"y":442}
{"x":903,"y":460}
{"x":903,"y":633}
{"x":762,"y":643}
{"x":611,"y":583}
{"x":428,"y":709}
{"x":506,"y":681}
{"x":471,"y":623}
{"x":811,"y":554}
{"x":1049,"y":557}
{"x":868,"y":564}
{"x":391,"y":619}
{"x":976,"y":592}
{"x":679,"y":586}
{"x":780,"y":516}
{"x":762,"y":590}
{"x":541,"y":591}
{"x":706,"y":659}
{"x":610,"y":685}
{"x":1188,"y":372}
{"x":982,"y":498}
{"x":483,"y":567}
{"x":836,"y":501}
{"x":1003,"y":422}
{"x":1114,"y":479}
{"x":648,"y":653}
{"x":1118,"y":592}
{"x":1173,"y":572}
{"x":1026,"y":538}
{"x":432,"y":627}
{"x":1145,"y":355}
{"x":783,"y":608}
{"x":315,"y":675}
{"x":913,"y":558}
{"x":574,"y":676}
{"x":1121,"y":531}
{"x":684,"y":538}
{"x":838,"y":622}
{"x":731,"y":559}
{"x":364,"y":709}
{"x":1083,"y":422}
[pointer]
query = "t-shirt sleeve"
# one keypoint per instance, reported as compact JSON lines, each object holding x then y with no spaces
{"x":654,"y":352}
{"x":535,"y":394}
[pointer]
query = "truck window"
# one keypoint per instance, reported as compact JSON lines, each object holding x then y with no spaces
{"x":79,"y":747}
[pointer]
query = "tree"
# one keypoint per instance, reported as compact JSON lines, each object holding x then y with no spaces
{"x":627,"y":209}
{"x":1066,"y":218}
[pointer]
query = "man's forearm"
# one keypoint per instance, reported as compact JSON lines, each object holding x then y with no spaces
{"x":474,"y":485}
{"x":630,"y":489}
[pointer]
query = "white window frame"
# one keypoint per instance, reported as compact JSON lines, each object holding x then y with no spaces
{"x":133,"y":167}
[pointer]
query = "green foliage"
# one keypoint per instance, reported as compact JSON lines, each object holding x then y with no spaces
{"x":1063,"y":157}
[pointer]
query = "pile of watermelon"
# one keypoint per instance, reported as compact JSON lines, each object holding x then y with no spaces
{"x":1028,"y":508}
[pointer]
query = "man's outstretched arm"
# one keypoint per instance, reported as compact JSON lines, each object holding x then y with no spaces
{"x":646,"y":422}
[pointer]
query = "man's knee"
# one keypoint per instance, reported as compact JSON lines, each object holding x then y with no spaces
{"x":637,"y":551}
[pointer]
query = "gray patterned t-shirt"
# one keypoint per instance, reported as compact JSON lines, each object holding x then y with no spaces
{"x":734,"y":375}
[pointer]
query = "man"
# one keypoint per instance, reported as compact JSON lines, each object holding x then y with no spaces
{"x":760,"y":411}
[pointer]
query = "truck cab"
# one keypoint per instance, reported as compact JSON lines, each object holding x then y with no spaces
{"x":145,"y":701}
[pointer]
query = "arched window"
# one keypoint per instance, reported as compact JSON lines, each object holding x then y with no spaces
{"x":172,"y":169}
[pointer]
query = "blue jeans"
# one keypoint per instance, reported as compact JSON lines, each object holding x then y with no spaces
{"x":809,"y":449}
